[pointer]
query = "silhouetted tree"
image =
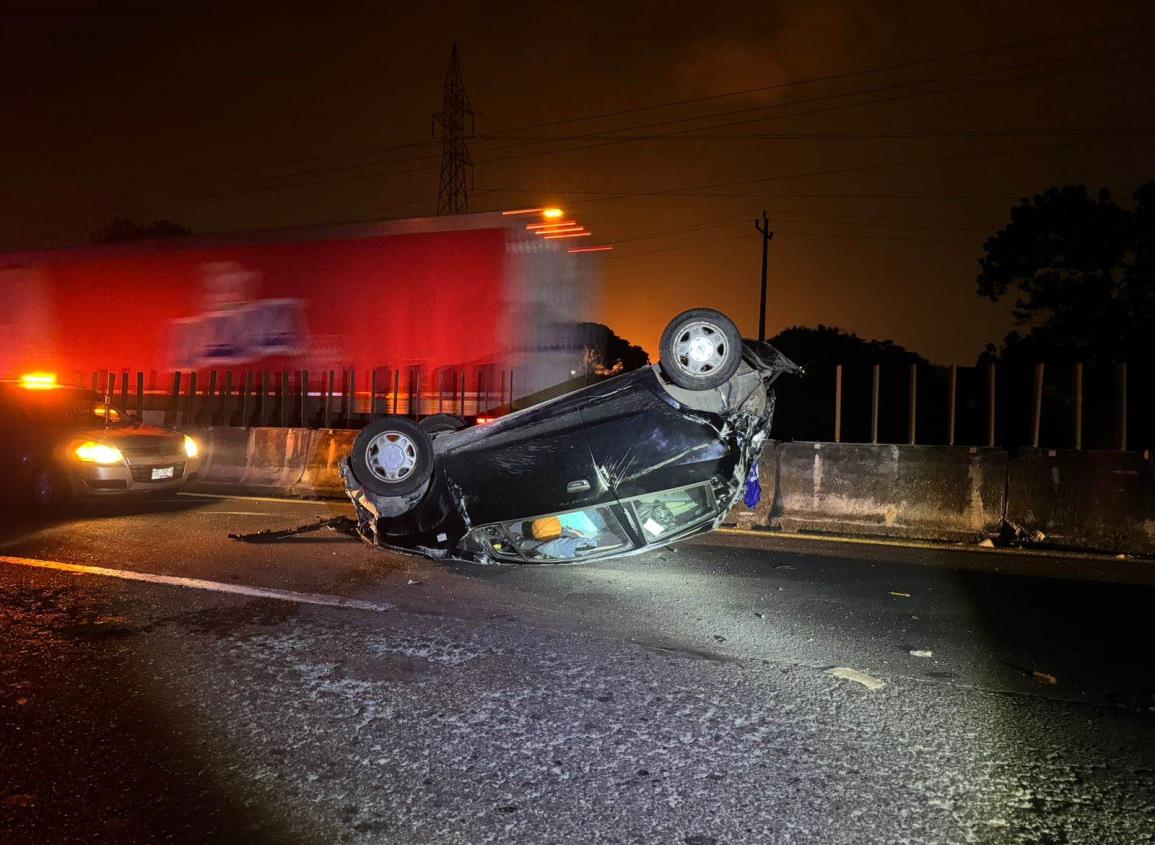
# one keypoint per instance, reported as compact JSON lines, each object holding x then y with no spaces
{"x":828,"y":345}
{"x":1082,"y":271}
{"x":604,"y":353}
{"x":121,"y":229}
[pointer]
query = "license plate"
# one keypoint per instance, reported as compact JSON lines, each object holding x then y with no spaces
{"x":161,"y":473}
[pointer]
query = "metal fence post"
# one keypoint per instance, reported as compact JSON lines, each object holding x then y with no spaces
{"x":193,"y":403}
{"x":1079,"y":405}
{"x":992,"y":382}
{"x":140,"y":394}
{"x":212,"y":404}
{"x":349,"y":394}
{"x":263,"y":419}
{"x":415,"y":387}
{"x":913,"y":421}
{"x":396,"y":388}
{"x":304,"y":398}
{"x":227,"y":399}
{"x":174,"y":400}
{"x":874,"y":403}
{"x":1037,"y":405}
{"x":951,"y":404}
{"x":328,"y":397}
{"x":838,"y":404}
{"x":1121,"y":380}
{"x":245,"y":399}
{"x":284,"y":399}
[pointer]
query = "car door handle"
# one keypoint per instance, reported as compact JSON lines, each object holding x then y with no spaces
{"x":579,"y":486}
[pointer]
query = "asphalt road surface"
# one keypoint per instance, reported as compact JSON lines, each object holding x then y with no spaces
{"x":161,"y":683}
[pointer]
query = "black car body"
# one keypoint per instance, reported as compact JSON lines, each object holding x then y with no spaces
{"x":61,"y":441}
{"x":621,"y":466}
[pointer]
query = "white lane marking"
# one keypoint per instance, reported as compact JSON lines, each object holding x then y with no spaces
{"x":313,"y":502}
{"x":898,"y":542}
{"x":198,"y":584}
{"x":265,"y":514}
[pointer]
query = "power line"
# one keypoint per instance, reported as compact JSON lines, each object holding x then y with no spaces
{"x":862,"y":135}
{"x":844,"y":75}
{"x":778,"y":231}
{"x":615,"y":141}
{"x":593,"y":143}
{"x":763,"y":195}
{"x":368,"y":151}
{"x":830,"y":172}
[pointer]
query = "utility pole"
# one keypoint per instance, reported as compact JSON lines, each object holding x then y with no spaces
{"x":453,"y":192}
{"x":763,"y":226}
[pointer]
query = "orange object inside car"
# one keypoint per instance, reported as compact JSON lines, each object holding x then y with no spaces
{"x":545,"y":528}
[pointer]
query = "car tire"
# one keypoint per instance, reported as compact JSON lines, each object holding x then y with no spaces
{"x":700,"y":349}
{"x":392,"y":456}
{"x":47,"y":488}
{"x":437,"y":423}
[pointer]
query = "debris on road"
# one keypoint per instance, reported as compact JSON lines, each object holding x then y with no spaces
{"x":987,"y":543}
{"x":414,"y":581}
{"x":918,"y":652}
{"x":900,"y":595}
{"x":869,"y":681}
{"x":1041,"y":677}
{"x":340,"y":524}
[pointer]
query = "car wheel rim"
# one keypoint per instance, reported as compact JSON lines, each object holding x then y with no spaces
{"x":700,"y":348}
{"x":392,"y":456}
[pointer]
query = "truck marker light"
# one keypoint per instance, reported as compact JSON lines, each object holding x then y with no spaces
{"x":38,"y":381}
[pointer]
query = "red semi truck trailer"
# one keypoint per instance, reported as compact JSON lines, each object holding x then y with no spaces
{"x":477,"y":296}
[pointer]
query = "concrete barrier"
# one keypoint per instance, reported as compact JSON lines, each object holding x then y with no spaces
{"x":320,"y":477}
{"x":1103,"y":501}
{"x":255,"y":461}
{"x":925,"y":492}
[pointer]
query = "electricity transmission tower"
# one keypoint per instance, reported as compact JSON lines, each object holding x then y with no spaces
{"x":453,"y":192}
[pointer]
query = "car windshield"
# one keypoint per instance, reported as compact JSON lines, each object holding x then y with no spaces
{"x":66,"y":406}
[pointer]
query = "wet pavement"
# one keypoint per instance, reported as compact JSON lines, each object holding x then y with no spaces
{"x":684,"y":696}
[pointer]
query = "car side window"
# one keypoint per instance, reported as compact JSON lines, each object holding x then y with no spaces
{"x":586,"y":533}
{"x":662,"y":514}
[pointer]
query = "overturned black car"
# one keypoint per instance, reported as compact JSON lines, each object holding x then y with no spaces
{"x":632,"y":463}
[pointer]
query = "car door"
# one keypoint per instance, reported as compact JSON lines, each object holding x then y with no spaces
{"x":642,"y":441}
{"x":527,"y":464}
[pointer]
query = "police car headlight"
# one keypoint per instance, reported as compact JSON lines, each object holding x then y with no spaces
{"x":190,"y":447}
{"x":98,"y":453}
